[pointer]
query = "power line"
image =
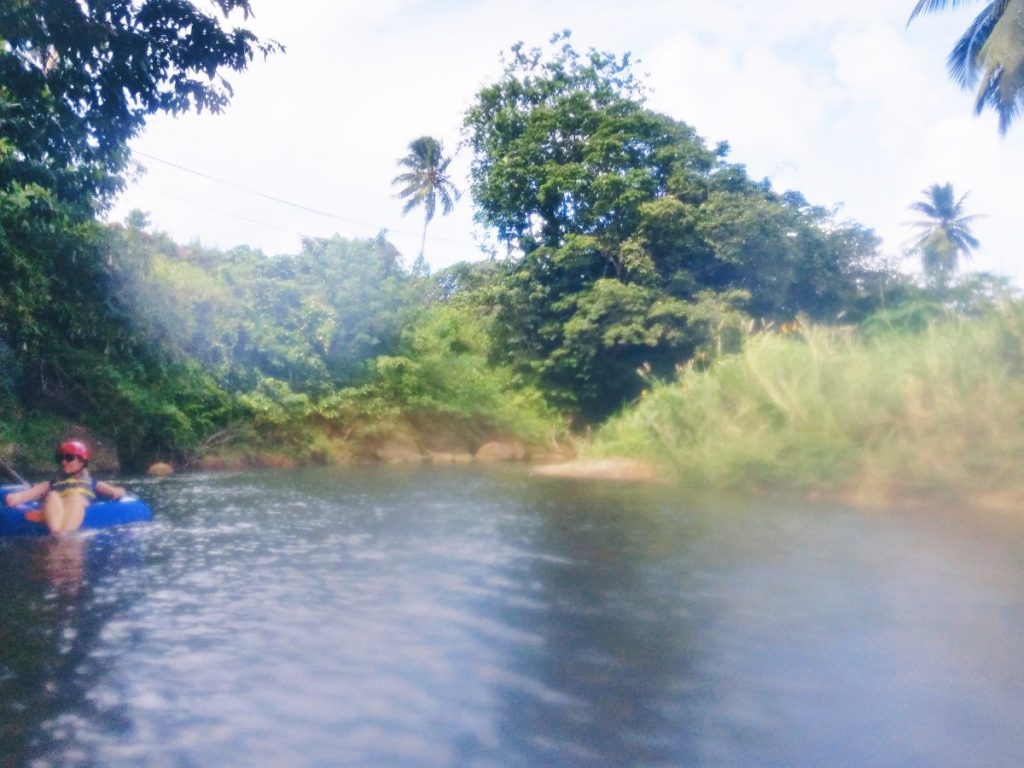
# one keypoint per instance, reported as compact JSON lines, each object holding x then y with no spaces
{"x":283,"y":201}
{"x":207,"y":207}
{"x":299,"y":206}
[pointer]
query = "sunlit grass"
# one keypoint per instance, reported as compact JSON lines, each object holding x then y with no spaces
{"x":892,"y":411}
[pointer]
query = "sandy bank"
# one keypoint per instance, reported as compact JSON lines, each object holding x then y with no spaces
{"x":616,"y":469}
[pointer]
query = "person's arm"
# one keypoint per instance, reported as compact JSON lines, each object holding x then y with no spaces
{"x":29,"y":494}
{"x":113,"y":491}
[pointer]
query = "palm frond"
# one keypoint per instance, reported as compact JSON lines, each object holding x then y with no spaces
{"x":962,"y":61}
{"x":1002,"y":57}
{"x":925,"y":208}
{"x":931,"y":6}
{"x":989,"y":53}
{"x":406,"y":178}
{"x":416,"y":199}
{"x":965,"y":241}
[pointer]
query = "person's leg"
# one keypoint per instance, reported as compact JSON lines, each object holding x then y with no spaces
{"x":64,"y":513}
{"x":53,"y":511}
{"x":74,"y":511}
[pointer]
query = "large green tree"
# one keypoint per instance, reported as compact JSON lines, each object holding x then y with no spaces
{"x":77,"y":81}
{"x":630,"y":239}
{"x":989,"y":56}
{"x":945,"y":236}
{"x":426,"y":181}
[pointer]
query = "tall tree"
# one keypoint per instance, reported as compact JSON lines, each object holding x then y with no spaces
{"x":945,"y":234}
{"x":989,"y":55}
{"x":426,"y":182}
{"x":77,"y":81}
{"x":627,"y":233}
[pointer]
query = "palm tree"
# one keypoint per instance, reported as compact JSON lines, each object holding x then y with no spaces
{"x":945,"y":234}
{"x":426,"y":182}
{"x":990,"y":53}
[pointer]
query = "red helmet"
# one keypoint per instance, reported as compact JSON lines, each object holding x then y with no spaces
{"x":74,"y":448}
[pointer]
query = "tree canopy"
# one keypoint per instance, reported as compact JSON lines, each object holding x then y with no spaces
{"x":77,"y":81}
{"x":630,"y":239}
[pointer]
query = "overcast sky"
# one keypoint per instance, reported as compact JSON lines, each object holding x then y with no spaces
{"x":839,"y":100}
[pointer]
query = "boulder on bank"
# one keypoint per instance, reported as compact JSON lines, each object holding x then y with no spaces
{"x":399,"y":449}
{"x":160,"y":469}
{"x":497,"y":450}
{"x":552,"y":454}
{"x":614,"y":469}
{"x":447,"y":457}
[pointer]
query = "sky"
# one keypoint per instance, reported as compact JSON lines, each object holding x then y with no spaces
{"x":842,"y":101}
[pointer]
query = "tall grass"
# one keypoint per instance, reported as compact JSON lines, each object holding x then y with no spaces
{"x":939,"y":410}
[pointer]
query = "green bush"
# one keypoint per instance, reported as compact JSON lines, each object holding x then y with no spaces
{"x":443,"y":370}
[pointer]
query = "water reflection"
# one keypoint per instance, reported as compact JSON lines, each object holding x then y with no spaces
{"x":594,"y":691}
{"x":60,"y":562}
{"x":51,"y":623}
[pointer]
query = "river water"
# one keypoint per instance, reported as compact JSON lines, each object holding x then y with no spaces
{"x":480,"y":617}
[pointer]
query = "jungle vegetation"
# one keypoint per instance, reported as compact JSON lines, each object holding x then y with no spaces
{"x":633,"y":251}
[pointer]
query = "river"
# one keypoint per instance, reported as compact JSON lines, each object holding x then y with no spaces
{"x":481,"y":617}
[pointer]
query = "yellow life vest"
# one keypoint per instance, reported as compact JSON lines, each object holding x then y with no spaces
{"x":80,"y":483}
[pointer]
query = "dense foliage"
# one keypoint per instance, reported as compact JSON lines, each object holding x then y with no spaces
{"x":633,"y":244}
{"x":77,"y":81}
{"x":72,"y":348}
{"x":633,"y":249}
{"x":311,"y":320}
{"x":265,"y":352}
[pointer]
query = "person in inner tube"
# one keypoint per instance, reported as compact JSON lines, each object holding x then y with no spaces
{"x":69,"y":493}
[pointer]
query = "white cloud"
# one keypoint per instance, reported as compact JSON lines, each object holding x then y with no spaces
{"x":762,"y":103}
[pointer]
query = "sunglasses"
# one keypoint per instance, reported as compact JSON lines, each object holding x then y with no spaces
{"x":68,"y":457}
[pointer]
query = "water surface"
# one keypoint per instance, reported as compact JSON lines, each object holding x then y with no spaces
{"x":467,"y":617}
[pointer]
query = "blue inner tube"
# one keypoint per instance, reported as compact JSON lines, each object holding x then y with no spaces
{"x":100,"y":514}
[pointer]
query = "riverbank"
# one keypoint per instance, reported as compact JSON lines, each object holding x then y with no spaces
{"x":872,"y":417}
{"x":564,"y":463}
{"x":858,"y":495}
{"x":393,"y":449}
{"x":406,"y":438}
